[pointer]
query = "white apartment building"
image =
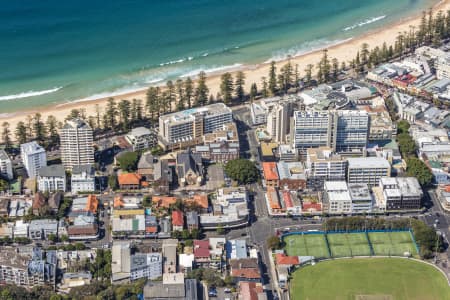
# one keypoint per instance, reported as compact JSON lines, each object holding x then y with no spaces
{"x":141,"y":138}
{"x":33,"y":158}
{"x":6,"y":166}
{"x":362,"y":200}
{"x":278,"y":121}
{"x":83,"y":179}
{"x":337,"y":196}
{"x":367,"y":170}
{"x":345,"y":131}
{"x":323,"y":164}
{"x":190,"y":125}
{"x":76,"y":144}
{"x":146,"y":265}
{"x":52,"y":178}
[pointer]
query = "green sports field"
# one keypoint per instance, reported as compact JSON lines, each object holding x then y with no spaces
{"x":392,"y":243}
{"x":369,"y":278}
{"x":350,"y":244}
{"x":307,"y":245}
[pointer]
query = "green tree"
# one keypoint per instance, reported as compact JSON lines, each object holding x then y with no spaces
{"x":202,"y":90}
{"x":417,"y":168}
{"x":188,"y":91}
{"x":112,"y":182}
{"x":253,"y":91}
{"x":124,"y":114}
{"x":21,"y":132}
{"x":274,"y":242}
{"x":128,"y":161}
{"x":171,"y":95}
{"x":242,"y":170}
{"x":181,"y":96}
{"x":264,"y":91}
{"x":239,"y":86}
{"x":406,"y":145}
{"x":153,"y":102}
{"x":308,"y":74}
{"x":6,"y":135}
{"x":226,"y":87}
{"x":39,"y":129}
{"x":52,"y":237}
{"x":52,"y":128}
{"x":220,"y":230}
{"x":403,"y":127}
{"x":272,"y":78}
{"x":110,"y":114}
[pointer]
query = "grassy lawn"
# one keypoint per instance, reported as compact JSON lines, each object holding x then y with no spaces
{"x":394,"y":278}
{"x":306,"y":245}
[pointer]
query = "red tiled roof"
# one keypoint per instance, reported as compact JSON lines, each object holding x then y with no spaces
{"x":199,"y":199}
{"x":272,"y":196}
{"x":270,"y":170}
{"x":164,"y":201}
{"x":201,"y":248}
{"x":287,"y":199}
{"x":246,"y":273}
{"x":92,"y":204}
{"x":312,"y":206}
{"x":151,"y":229}
{"x":249,"y":290}
{"x":282,"y":259}
{"x":129,"y":179}
{"x":38,"y":200}
{"x":177,"y":218}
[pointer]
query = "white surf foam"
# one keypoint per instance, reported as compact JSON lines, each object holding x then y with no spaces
{"x":29,"y":94}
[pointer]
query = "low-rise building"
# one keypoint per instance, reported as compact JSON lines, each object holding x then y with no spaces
{"x":169,"y":253}
{"x":236,"y":249}
{"x":192,"y":221}
{"x":41,"y":229}
{"x":322,"y":164}
{"x":173,"y":287}
{"x":362,"y":199}
{"x":401,"y":193}
{"x":141,"y":138}
{"x":52,"y":178}
{"x":270,"y":174}
{"x":83,"y":179}
{"x":291,"y":175}
{"x":246,"y":269}
{"x":201,"y":253}
{"x":177,"y":220}
{"x":189,"y":168}
{"x":129,"y":181}
{"x":337,"y":196}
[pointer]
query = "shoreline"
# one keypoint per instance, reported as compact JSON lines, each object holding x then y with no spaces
{"x":344,"y":51}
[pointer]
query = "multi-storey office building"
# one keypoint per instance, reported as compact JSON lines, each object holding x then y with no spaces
{"x":367,"y":170}
{"x":344,"y":131}
{"x":76,"y":144}
{"x":322,"y":164}
{"x":400,"y":193}
{"x":186,"y":128}
{"x":33,"y":158}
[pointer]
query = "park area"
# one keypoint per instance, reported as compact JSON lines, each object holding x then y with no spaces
{"x":321,"y":245}
{"x":369,"y":278}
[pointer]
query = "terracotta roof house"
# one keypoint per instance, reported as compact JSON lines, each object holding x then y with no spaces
{"x":83,"y":232}
{"x":146,"y":166}
{"x":177,"y":220}
{"x":283,"y":259}
{"x":251,"y":291}
{"x":129,"y":181}
{"x":163,"y":201}
{"x":198,"y":200}
{"x":92,"y":204}
{"x":246,"y":269}
{"x":38,"y":203}
{"x":270,"y":174}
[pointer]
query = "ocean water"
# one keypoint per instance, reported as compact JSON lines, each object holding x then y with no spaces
{"x":53,"y":52}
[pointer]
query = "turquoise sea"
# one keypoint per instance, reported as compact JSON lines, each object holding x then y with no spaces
{"x":58,"y":51}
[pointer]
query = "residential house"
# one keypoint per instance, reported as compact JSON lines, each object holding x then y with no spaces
{"x":251,"y":291}
{"x":201,"y":252}
{"x":246,"y":269}
{"x":199,"y":202}
{"x":163,"y":201}
{"x":38,"y":203}
{"x":146,"y":166}
{"x":54,"y":200}
{"x":177,"y":220}
{"x":192,"y":220}
{"x":129,"y":181}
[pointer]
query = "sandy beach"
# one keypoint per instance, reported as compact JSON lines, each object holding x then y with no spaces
{"x":343,"y":52}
